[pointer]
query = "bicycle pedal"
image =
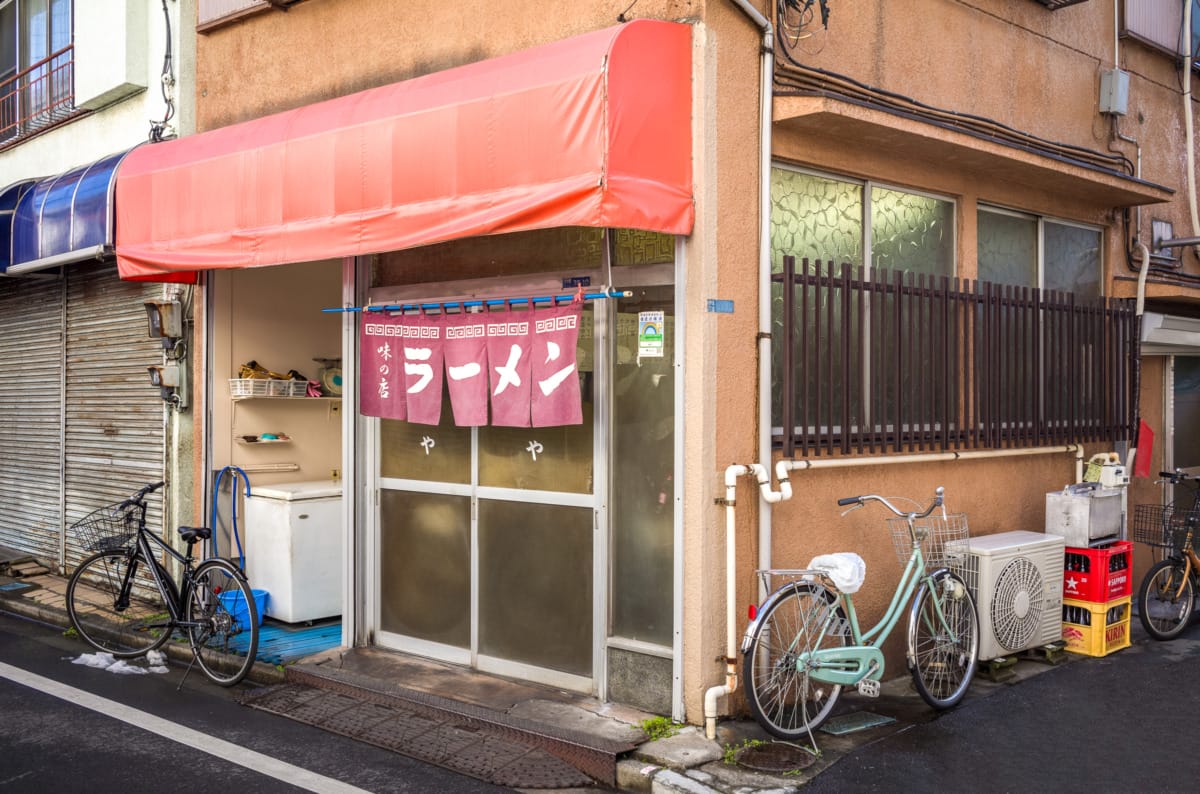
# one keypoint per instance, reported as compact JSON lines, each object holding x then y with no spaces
{"x":868,"y":687}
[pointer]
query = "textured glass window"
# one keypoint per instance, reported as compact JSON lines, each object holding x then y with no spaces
{"x":1072,"y":258}
{"x":1007,"y":249}
{"x":911,"y":232}
{"x":815,"y":217}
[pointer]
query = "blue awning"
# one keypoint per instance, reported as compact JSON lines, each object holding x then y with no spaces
{"x":9,"y":197}
{"x":65,"y":218}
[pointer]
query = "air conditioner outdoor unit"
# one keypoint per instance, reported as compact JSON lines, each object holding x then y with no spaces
{"x":1017,"y":580}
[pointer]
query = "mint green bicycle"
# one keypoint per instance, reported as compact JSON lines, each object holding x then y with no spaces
{"x":805,"y":644}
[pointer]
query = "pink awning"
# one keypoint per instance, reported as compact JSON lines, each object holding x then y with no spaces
{"x":590,"y":131}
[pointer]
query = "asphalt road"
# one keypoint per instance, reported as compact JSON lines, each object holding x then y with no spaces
{"x":1127,"y":722}
{"x":65,"y":727}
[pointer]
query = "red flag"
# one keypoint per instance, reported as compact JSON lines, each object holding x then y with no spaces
{"x":555,"y":389}
{"x":381,"y":390}
{"x":1145,"y":446}
{"x":508,"y":363}
{"x":465,"y":350}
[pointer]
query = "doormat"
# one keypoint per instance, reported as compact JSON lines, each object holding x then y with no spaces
{"x":854,"y":722}
{"x":16,"y":587}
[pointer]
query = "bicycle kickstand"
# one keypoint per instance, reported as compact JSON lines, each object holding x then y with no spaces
{"x":191,"y":664}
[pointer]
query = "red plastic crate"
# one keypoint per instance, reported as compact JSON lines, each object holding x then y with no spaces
{"x":1098,"y":575}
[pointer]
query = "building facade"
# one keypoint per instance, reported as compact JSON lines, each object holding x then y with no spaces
{"x":902,"y":249}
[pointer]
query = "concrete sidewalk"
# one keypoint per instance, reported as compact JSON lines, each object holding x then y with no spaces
{"x":512,"y":732}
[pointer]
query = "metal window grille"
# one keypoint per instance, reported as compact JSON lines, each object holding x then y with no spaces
{"x":904,"y":362}
{"x":38,"y":97}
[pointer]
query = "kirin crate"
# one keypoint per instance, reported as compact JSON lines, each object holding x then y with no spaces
{"x":1100,"y":574}
{"x":1096,"y":629}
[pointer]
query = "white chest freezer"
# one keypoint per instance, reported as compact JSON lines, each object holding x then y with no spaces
{"x":293,"y":537}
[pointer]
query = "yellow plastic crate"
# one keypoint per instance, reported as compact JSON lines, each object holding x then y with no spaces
{"x":1095,"y":629}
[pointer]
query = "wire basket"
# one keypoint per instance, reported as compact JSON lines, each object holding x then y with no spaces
{"x":943,"y":539}
{"x":111,"y":528}
{"x":1164,"y":526}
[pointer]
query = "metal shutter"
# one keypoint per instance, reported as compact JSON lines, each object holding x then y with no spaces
{"x":31,"y":333}
{"x":114,"y":417}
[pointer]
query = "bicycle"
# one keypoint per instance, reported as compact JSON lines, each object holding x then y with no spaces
{"x":1166,"y":595}
{"x":805,"y":643}
{"x":123,"y":601}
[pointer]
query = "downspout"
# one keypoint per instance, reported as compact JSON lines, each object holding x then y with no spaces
{"x":712,"y":693}
{"x":766,"y":95}
{"x":1137,"y":360}
{"x":1188,"y":121}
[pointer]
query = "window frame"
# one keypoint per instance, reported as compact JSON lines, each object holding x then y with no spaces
{"x":1040,"y":247}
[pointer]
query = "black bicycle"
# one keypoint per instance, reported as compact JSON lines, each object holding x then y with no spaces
{"x":122,"y":600}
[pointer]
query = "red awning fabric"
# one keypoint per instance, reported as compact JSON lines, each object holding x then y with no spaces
{"x":589,"y":131}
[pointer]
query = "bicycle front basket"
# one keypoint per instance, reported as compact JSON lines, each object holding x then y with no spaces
{"x":943,"y":539}
{"x":1163,"y":526}
{"x":111,"y":528}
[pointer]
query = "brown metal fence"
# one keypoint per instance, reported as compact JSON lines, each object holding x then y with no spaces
{"x":905,"y":362}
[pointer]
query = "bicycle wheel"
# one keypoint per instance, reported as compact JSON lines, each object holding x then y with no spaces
{"x":1165,"y":600}
{"x":785,"y":700}
{"x":942,"y":655}
{"x":222,"y":622}
{"x":125,"y":627}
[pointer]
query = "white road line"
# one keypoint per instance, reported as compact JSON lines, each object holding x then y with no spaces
{"x":264,"y":764}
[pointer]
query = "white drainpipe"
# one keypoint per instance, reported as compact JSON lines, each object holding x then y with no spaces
{"x":782,"y":469}
{"x":766,"y":96}
{"x":1141,"y":309}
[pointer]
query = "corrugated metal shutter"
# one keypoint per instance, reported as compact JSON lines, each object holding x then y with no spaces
{"x":114,"y":423}
{"x":31,"y":333}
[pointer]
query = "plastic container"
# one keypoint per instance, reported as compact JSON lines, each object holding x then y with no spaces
{"x":235,"y":604}
{"x":249,"y":387}
{"x":1098,"y":575}
{"x":1096,"y":629}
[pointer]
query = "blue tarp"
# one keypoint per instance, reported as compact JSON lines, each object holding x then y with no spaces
{"x":65,"y":218}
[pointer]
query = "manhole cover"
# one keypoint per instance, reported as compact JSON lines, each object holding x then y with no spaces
{"x":774,"y":757}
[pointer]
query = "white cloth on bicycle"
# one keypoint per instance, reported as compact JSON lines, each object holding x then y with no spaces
{"x":846,"y":569}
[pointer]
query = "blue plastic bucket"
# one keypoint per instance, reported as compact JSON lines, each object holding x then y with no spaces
{"x":235,"y":604}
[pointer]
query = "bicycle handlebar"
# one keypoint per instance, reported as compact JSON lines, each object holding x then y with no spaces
{"x":142,"y":493}
{"x":1176,"y":477}
{"x":862,"y":500}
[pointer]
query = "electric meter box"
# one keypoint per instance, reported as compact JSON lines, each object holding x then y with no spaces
{"x":1084,"y":515}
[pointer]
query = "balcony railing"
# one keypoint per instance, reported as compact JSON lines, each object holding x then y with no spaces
{"x":901,"y":362}
{"x":38,"y":97}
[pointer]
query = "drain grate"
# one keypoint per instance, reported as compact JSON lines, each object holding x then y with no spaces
{"x":450,"y":743}
{"x":774,"y":757}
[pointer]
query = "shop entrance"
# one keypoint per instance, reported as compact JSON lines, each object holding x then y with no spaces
{"x":488,"y":542}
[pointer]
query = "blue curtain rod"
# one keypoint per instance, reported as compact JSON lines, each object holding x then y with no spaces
{"x":398,"y":307}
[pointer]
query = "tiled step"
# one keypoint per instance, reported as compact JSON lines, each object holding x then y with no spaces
{"x":546,"y":752}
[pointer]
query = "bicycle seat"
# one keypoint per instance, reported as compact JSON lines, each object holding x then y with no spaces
{"x":194,"y":534}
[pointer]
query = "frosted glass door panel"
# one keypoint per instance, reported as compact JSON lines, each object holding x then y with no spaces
{"x":423,"y":452}
{"x":540,"y":458}
{"x":535,"y":584}
{"x":425,"y":552}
